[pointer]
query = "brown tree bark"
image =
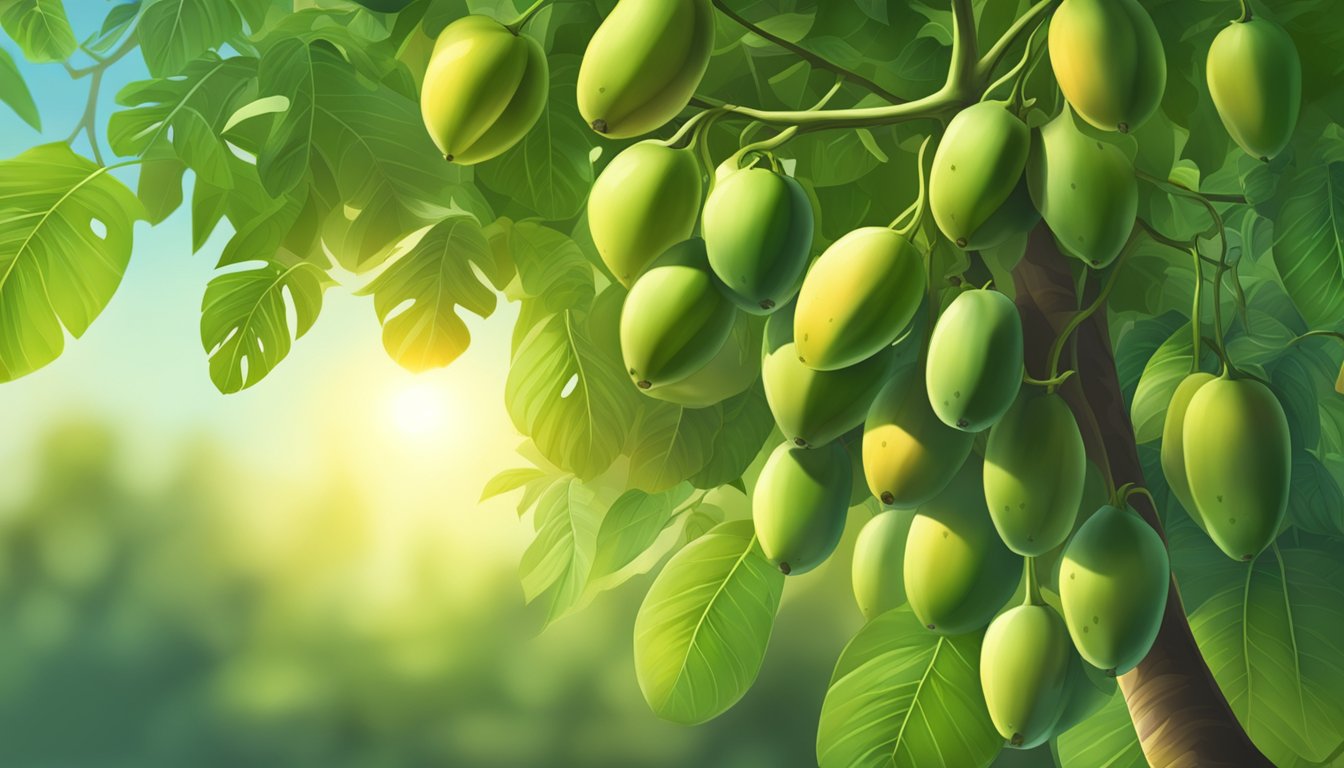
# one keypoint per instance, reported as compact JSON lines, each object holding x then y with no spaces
{"x":1181,"y":716}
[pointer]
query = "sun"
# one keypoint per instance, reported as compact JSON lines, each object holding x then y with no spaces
{"x":419,"y":409}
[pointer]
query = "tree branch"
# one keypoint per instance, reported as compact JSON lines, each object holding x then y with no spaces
{"x":1022,"y":26}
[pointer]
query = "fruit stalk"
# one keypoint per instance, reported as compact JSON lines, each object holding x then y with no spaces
{"x":1181,"y":716}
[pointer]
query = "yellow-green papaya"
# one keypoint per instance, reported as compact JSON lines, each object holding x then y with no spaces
{"x":643,"y":64}
{"x":484,"y":89}
{"x":812,"y":408}
{"x":1024,"y":670}
{"x":974,"y":366}
{"x":1035,"y":465}
{"x":1086,"y":691}
{"x":1108,"y":61}
{"x":674,"y":320}
{"x":799,"y":505}
{"x":1255,"y":79}
{"x":1238,"y":459}
{"x":645,"y":201}
{"x":978,"y":164}
{"x":1113,"y":584}
{"x":879,"y":562}
{"x":1017,"y":216}
{"x":733,"y":368}
{"x":758,"y":231}
{"x":957,"y":571}
{"x":909,"y":454}
{"x":1173,"y":442}
{"x":1085,"y":189}
{"x":857,"y":298}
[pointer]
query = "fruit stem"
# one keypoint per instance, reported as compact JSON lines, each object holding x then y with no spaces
{"x":764,"y":146}
{"x":689,"y":128}
{"x":1057,"y":349}
{"x":1318,"y":334}
{"x":917,"y":207}
{"x":1245,"y":13}
{"x":517,"y":24}
{"x":1195,"y":318}
{"x":1034,"y":15}
{"x":1131,"y":490}
{"x":1017,"y":74}
{"x":1033,"y":596}
{"x":1049,"y":384}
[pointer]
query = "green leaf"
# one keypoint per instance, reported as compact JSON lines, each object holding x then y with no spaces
{"x":671,"y":444}
{"x":14,"y":92}
{"x":901,"y":695}
{"x":747,"y":424}
{"x":244,"y":324}
{"x":548,"y":172}
{"x":1309,"y":249}
{"x":568,"y":394}
{"x":65,"y":238}
{"x":1274,"y":640}
{"x":417,"y":296}
{"x":1163,"y":373}
{"x":1107,"y":738}
{"x":551,"y":267}
{"x":174,"y":32}
{"x":559,"y":557}
{"x":701,"y":632}
{"x":510,"y":480}
{"x":630,"y":527}
{"x":119,"y":19}
{"x":1315,"y":501}
{"x":40,"y":27}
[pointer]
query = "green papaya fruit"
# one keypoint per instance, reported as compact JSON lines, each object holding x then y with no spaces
{"x":974,"y":367}
{"x":1035,"y":465}
{"x":812,"y":408}
{"x":674,"y":320}
{"x":1108,"y":61}
{"x":758,"y":231}
{"x":734,"y":368}
{"x":909,"y":454}
{"x":643,"y":64}
{"x":799,"y":505}
{"x":879,"y":562}
{"x":857,"y":298}
{"x":1024,"y":671}
{"x":1017,"y":216}
{"x":1086,"y":691}
{"x":1085,"y":189}
{"x":957,"y":571}
{"x":384,"y":6}
{"x":645,"y":201}
{"x":978,"y":164}
{"x":1173,"y":442}
{"x":1255,"y":79}
{"x":484,"y":89}
{"x":1238,"y":459}
{"x":1113,"y":584}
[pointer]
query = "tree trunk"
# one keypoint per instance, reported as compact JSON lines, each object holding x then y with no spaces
{"x":1182,"y":718}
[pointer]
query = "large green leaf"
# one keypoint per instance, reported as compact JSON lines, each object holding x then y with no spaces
{"x":1105,"y":740}
{"x":417,"y":296}
{"x":747,"y":424}
{"x":567,"y":519}
{"x":244,"y":323}
{"x":1274,"y":640}
{"x":701,"y":632}
{"x":40,"y":27}
{"x":14,"y":92}
{"x":65,"y":238}
{"x":671,"y":444}
{"x":567,"y":393}
{"x":551,"y":267}
{"x":1309,"y":248}
{"x":630,"y":527}
{"x":901,"y":695}
{"x":175,"y":32}
{"x":1163,"y":373}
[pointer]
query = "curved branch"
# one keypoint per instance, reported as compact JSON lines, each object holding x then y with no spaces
{"x":1029,"y":20}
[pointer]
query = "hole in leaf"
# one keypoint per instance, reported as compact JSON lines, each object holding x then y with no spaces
{"x":570,"y":386}
{"x":98,"y":228}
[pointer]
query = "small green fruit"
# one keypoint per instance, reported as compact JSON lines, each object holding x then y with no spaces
{"x":645,"y":201}
{"x":1024,"y":670}
{"x":909,"y":454}
{"x":1255,"y":79}
{"x":1108,"y":61}
{"x":977,"y":167}
{"x":734,"y":368}
{"x":799,"y":505}
{"x":758,"y":231}
{"x":1173,"y":443}
{"x":879,"y":562}
{"x":974,"y":367}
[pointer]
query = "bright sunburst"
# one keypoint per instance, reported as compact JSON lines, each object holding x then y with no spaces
{"x":419,"y":409}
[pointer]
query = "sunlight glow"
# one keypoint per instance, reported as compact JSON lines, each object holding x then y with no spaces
{"x":419,"y":409}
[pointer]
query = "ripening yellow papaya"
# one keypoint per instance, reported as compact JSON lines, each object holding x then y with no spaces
{"x":484,"y":89}
{"x":1173,"y":442}
{"x":1024,"y":673}
{"x":1255,"y":79}
{"x":643,"y":64}
{"x":1108,"y":61}
{"x":645,"y":201}
{"x":974,"y":367}
{"x":909,"y":454}
{"x":799,"y":505}
{"x":976,"y":169}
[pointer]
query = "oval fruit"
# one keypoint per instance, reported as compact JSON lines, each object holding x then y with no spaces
{"x":758,"y":232}
{"x":1113,"y":584}
{"x":813,"y":408}
{"x":909,"y":454}
{"x":1035,"y":465}
{"x":978,"y":164}
{"x":857,"y":298}
{"x":957,"y":571}
{"x":974,"y":367}
{"x":853,"y":442}
{"x":799,"y":505}
{"x":1173,"y":442}
{"x":1085,"y":189}
{"x":1255,"y":79}
{"x":1086,"y":691}
{"x":643,"y":64}
{"x":645,"y":201}
{"x":674,"y":320}
{"x":733,"y":369}
{"x":879,"y":562}
{"x":1024,"y":670}
{"x":1238,"y":459}
{"x":484,"y":89}
{"x":1108,"y":61}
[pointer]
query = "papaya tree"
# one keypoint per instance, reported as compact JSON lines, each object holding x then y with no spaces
{"x":1046,"y":296}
